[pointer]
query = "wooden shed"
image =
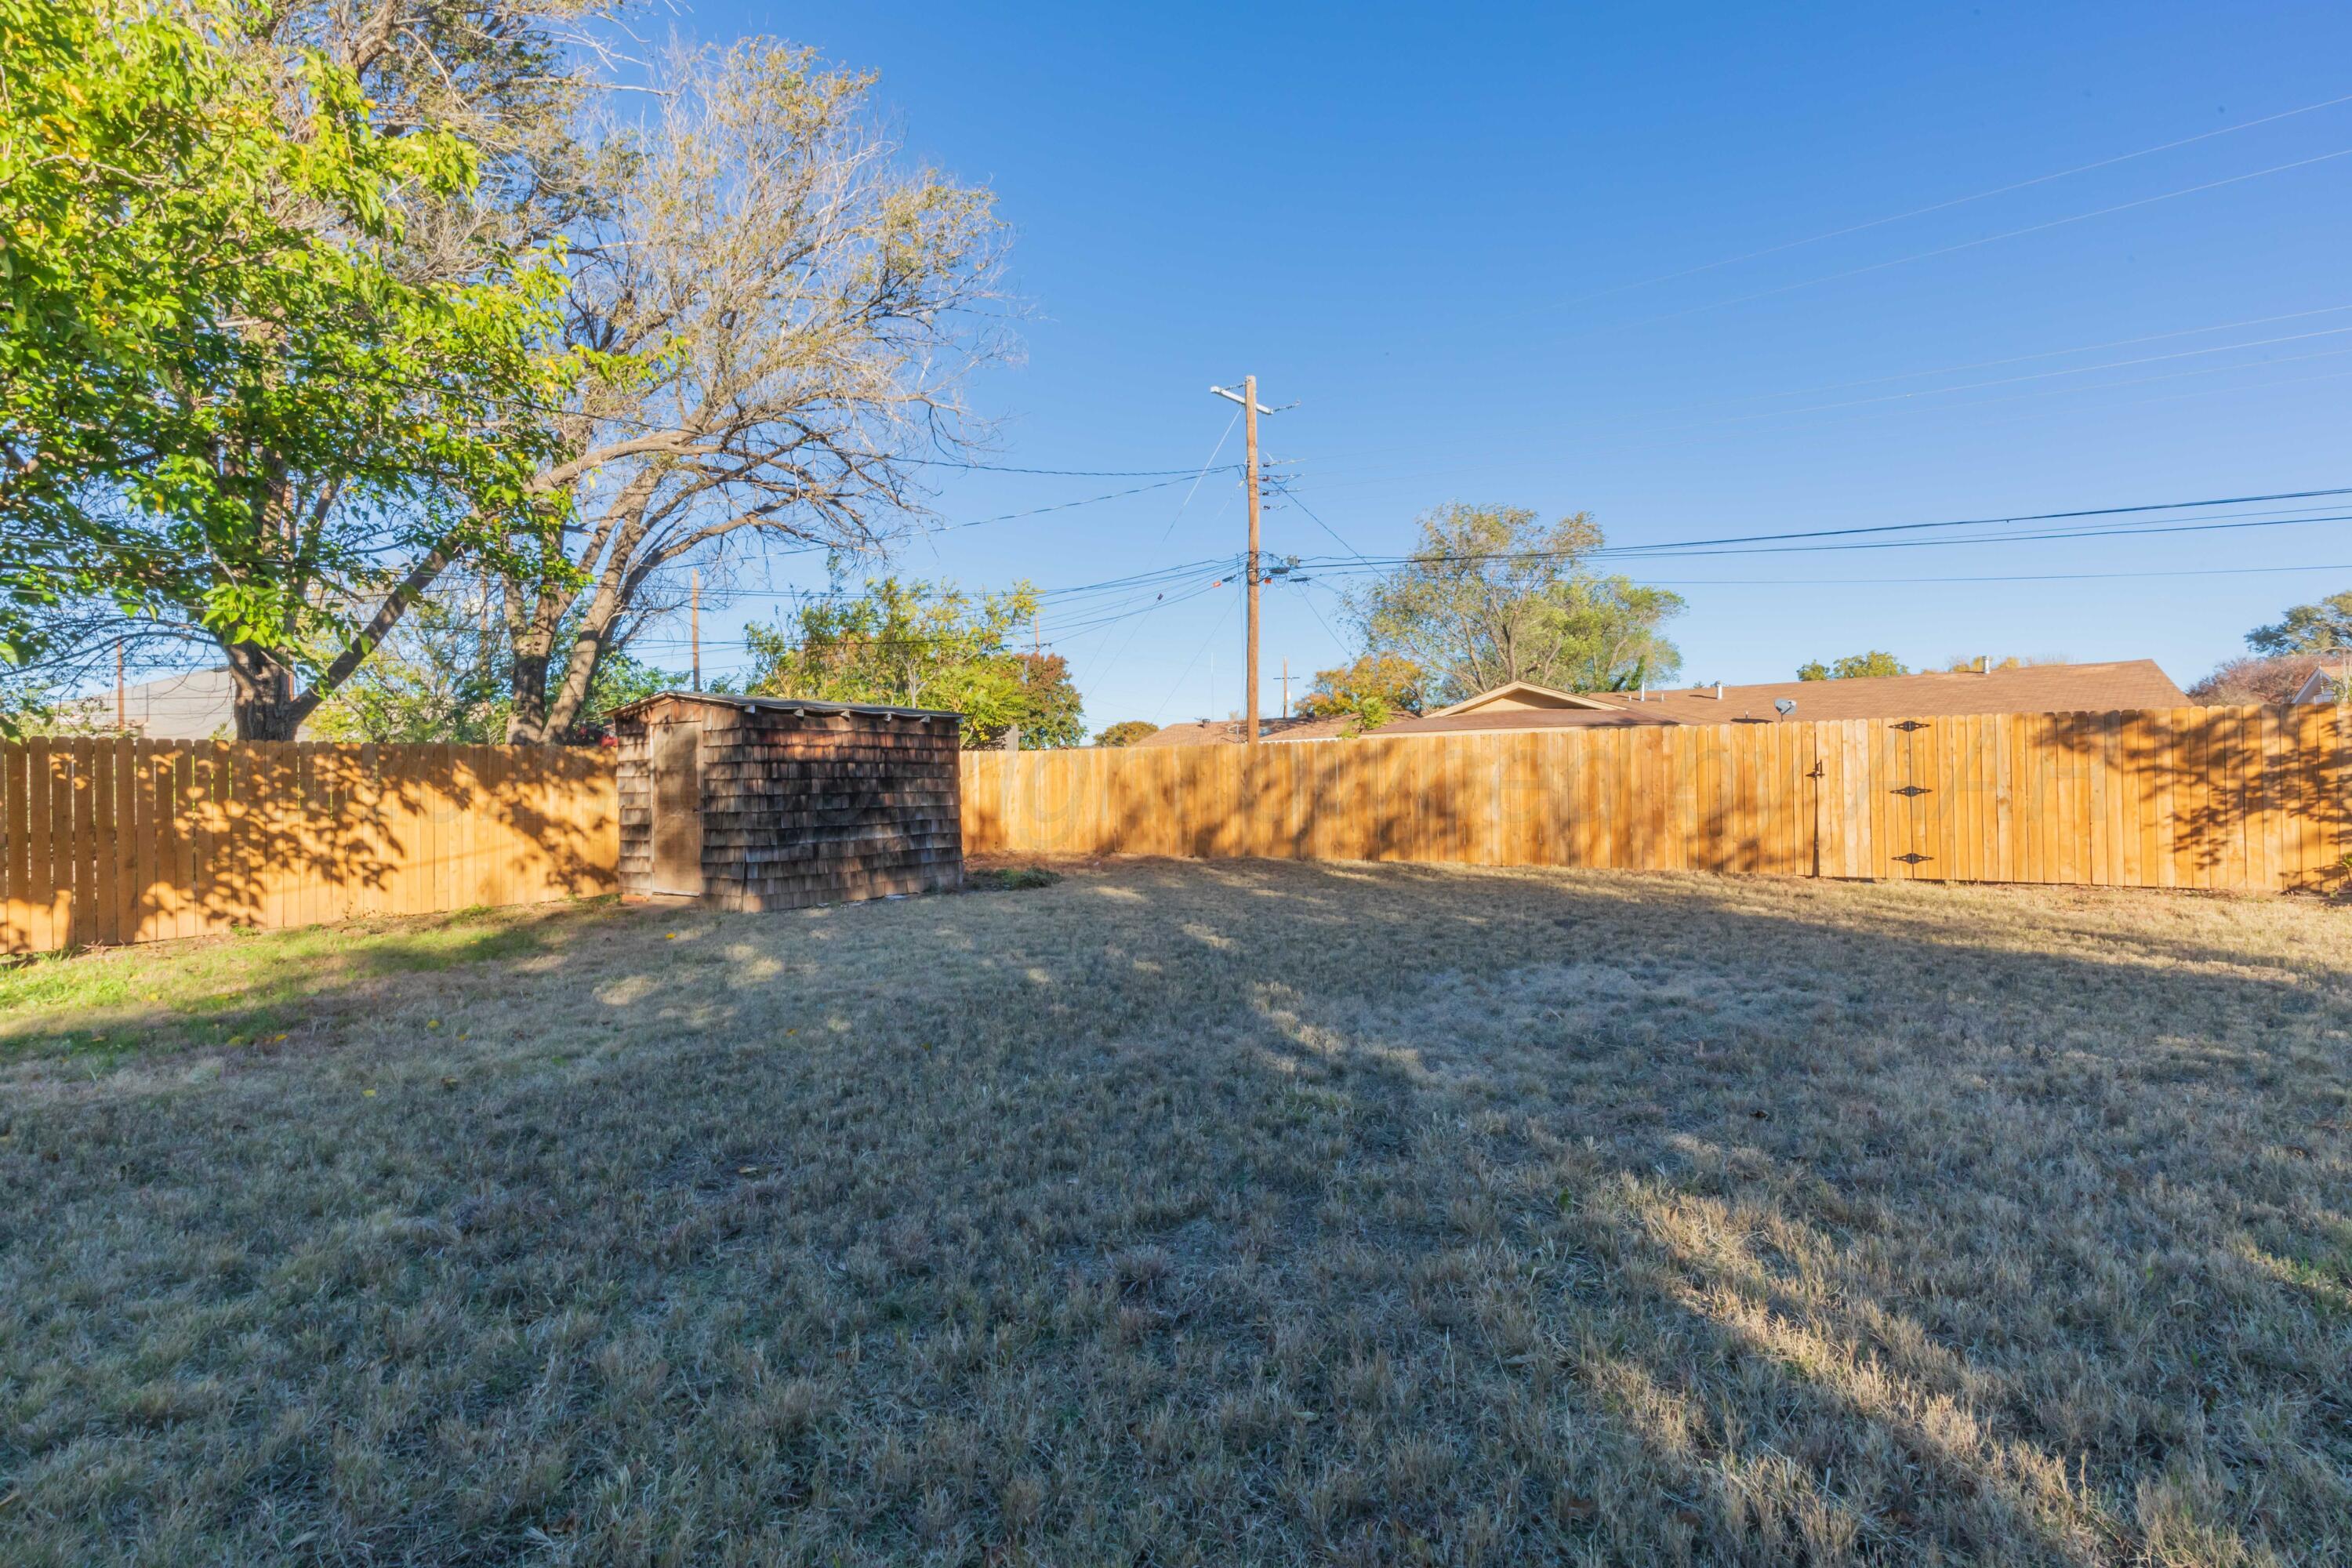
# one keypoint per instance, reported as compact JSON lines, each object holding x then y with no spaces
{"x":765,"y":803}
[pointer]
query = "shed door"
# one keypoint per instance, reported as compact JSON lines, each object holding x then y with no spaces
{"x":678,"y":809}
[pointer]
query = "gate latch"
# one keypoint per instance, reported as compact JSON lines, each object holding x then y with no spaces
{"x":1912,"y":859}
{"x":1912,"y":789}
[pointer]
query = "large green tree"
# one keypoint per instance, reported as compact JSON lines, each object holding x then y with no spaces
{"x":922,"y":644}
{"x":2307,"y":628}
{"x":1492,"y":594}
{"x":257,"y":384}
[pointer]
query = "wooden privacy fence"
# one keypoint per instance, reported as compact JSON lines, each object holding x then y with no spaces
{"x":121,"y":840}
{"x":107,"y":841}
{"x":2185,"y":797}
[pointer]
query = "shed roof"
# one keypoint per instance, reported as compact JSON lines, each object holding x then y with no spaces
{"x":785,"y":705}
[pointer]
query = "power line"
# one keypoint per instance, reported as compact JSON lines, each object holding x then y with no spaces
{"x":978,"y":645}
{"x":2044,"y":353}
{"x":1012,"y":516}
{"x":1286,"y":494}
{"x":1974,"y":523}
{"x":1089,"y":621}
{"x":1973,"y":244}
{"x":1386,"y":477}
{"x":2041,"y":375}
{"x":1064,"y":473}
{"x":669,"y":427}
{"x":1954,"y":202}
{"x":2046,"y":392}
{"x":1140,"y":579}
{"x":2013,"y":577}
{"x":1195,"y":660}
{"x":2135,"y":531}
{"x":1080,"y":629}
{"x":1308,"y":599}
{"x":1138,"y":629}
{"x":1330,"y":563}
{"x":1065,"y":506}
{"x":1220,"y":446}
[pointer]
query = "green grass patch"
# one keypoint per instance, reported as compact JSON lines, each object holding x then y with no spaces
{"x":247,"y":987}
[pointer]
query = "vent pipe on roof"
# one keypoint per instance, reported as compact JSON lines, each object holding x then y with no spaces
{"x":1718,"y":691}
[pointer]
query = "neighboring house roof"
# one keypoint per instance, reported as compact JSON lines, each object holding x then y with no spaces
{"x":1511,"y":720}
{"x":2321,"y":687}
{"x":2023,"y":689}
{"x":1228,"y":731}
{"x":1522,"y":705}
{"x":1518,"y":696}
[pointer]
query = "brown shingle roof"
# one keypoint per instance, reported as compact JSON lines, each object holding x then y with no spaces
{"x":2027,"y":689}
{"x":1506,"y":720}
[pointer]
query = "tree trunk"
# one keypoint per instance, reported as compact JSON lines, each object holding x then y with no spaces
{"x":264,"y":701}
{"x":542,"y":715}
{"x":527,"y":714}
{"x":565,"y":702}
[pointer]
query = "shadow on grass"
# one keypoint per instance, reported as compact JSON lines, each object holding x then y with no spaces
{"x":1959,"y":1287}
{"x":1874,"y":1235}
{"x":1305,"y":1212}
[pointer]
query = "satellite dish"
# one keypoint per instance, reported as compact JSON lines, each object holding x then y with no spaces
{"x":1784,"y":705}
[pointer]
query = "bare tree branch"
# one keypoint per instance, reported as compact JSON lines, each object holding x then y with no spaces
{"x":780,"y":316}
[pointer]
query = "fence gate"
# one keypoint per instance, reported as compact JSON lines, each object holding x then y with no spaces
{"x":1910,"y":780}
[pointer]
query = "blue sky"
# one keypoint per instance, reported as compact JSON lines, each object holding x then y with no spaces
{"x":1450,"y":237}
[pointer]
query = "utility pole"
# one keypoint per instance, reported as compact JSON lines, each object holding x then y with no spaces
{"x":1286,"y":688}
{"x":694,"y":622}
{"x":1247,"y":398}
{"x":121,"y":712}
{"x":1249,"y":418}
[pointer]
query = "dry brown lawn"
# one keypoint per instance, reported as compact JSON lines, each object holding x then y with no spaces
{"x":1185,"y":1213}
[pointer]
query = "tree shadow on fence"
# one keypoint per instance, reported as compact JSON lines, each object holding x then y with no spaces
{"x":2251,"y":798}
{"x":112,"y":841}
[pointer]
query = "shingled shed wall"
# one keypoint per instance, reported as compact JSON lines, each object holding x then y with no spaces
{"x":794,"y":803}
